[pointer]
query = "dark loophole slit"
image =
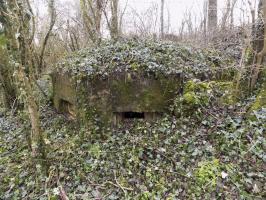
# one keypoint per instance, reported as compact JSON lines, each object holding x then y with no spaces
{"x":133,"y":115}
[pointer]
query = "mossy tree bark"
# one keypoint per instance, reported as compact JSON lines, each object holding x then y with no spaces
{"x":8,"y":89}
{"x":21,"y":18}
{"x":7,"y":43}
{"x":26,"y":77}
{"x":36,"y":138}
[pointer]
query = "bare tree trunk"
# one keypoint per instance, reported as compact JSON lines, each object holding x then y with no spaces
{"x":92,"y":16}
{"x":98,"y":16}
{"x":24,"y":58}
{"x":204,"y":23}
{"x":168,"y":26}
{"x":114,"y":20}
{"x":21,"y":18}
{"x":37,"y":142}
{"x":232,"y":12}
{"x":212,"y":16}
{"x":120,"y":28}
{"x":226,"y":14}
{"x":162,"y":19}
{"x":262,"y":53}
{"x":114,"y":24}
{"x":257,"y":29}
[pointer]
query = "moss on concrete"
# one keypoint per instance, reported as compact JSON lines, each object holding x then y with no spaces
{"x":196,"y":93}
{"x":196,"y":85}
{"x":191,"y":98}
{"x":143,"y":94}
{"x":225,"y":90}
{"x":260,"y":101}
{"x":100,"y":99}
{"x":199,"y":94}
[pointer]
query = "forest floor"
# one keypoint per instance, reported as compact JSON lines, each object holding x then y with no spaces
{"x":215,"y":154}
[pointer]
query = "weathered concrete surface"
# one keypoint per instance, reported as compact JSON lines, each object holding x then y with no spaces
{"x":63,"y":91}
{"x":118,"y":93}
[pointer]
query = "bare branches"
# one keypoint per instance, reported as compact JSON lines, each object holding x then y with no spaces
{"x":145,"y":23}
{"x":121,"y":17}
{"x":33,"y":21}
{"x":52,"y":12}
{"x":92,"y":16}
{"x":252,"y":11}
{"x":114,"y":24}
{"x":228,"y":15}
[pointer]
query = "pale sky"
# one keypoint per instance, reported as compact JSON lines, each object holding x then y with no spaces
{"x":175,"y":9}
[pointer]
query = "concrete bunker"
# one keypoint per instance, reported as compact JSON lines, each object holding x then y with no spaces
{"x":123,"y":96}
{"x":128,"y":79}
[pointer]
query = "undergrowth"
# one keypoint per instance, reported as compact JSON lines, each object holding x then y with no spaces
{"x":218,"y":155}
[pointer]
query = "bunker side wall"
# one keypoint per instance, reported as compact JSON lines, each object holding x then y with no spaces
{"x":63,"y":90}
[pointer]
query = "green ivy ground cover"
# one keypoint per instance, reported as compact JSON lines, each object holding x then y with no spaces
{"x":215,"y":153}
